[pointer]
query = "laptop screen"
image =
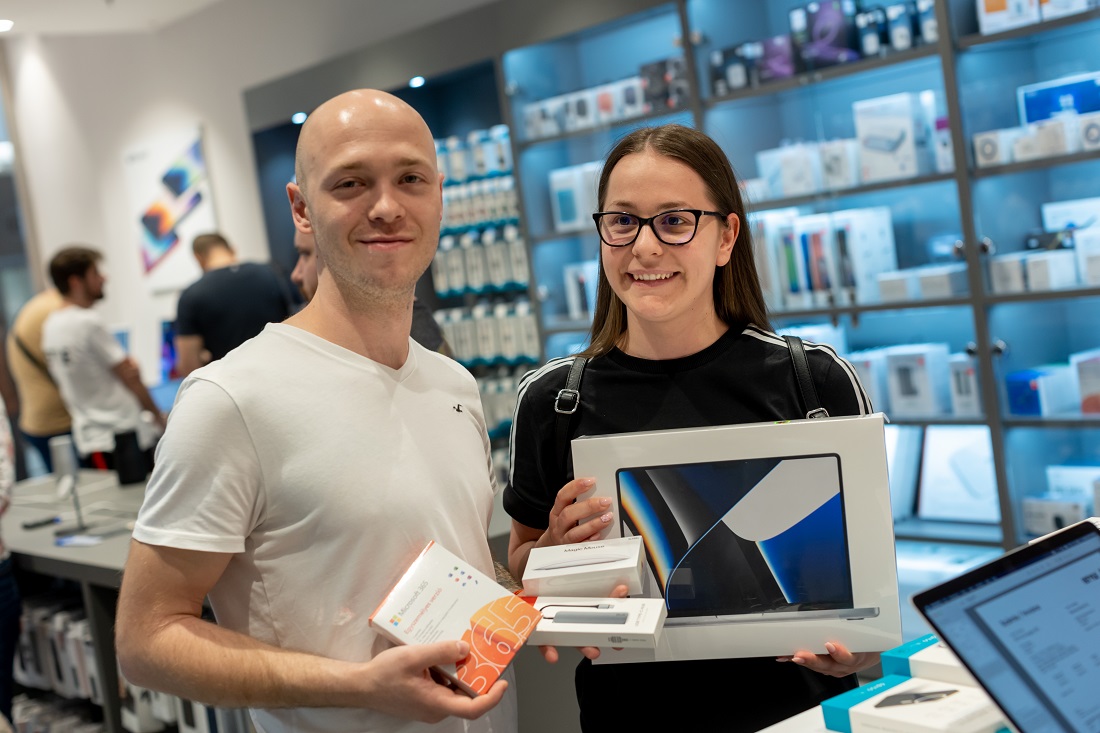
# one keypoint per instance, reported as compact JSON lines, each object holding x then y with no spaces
{"x":1027,"y":626}
{"x":752,"y":536}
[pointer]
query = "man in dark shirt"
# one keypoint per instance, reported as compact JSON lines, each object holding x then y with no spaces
{"x":229,"y":304}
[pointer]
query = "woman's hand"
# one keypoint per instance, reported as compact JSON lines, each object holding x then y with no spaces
{"x":576,"y":521}
{"x":839,"y":662}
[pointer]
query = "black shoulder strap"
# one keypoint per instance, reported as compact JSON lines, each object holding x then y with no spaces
{"x":810,"y":403}
{"x":566,"y":403}
{"x":31,"y":357}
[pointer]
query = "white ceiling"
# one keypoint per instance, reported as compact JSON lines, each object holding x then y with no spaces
{"x":81,"y":17}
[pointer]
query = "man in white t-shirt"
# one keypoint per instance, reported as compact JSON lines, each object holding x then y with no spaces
{"x":301,"y":474}
{"x":100,"y":385}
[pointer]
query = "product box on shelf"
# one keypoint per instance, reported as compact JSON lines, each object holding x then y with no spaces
{"x":918,"y":378}
{"x":926,"y":657}
{"x":772,"y":232}
{"x":902,"y":25}
{"x":622,"y":623}
{"x":873,"y":36}
{"x":1087,"y":366}
{"x":865,"y":249}
{"x":792,"y":170}
{"x":664,"y":85}
{"x":966,"y":400}
{"x":580,"y":110}
{"x":1008,"y":272}
{"x":729,"y":71}
{"x":581,"y":279}
{"x":831,"y":34}
{"x":995,"y":16}
{"x":1073,"y":482}
{"x":585,"y":569}
{"x":944,"y":147}
{"x":1051,"y":270}
{"x":1088,"y":131}
{"x":896,"y":704}
{"x":1064,"y":96}
{"x":943,"y":281}
{"x":137,"y":710}
{"x":994,"y":147}
{"x":1051,"y":9}
{"x":926,"y":20}
{"x":799,"y":510}
{"x":1026,"y":145}
{"x":777,"y":59}
{"x":815,"y":235}
{"x":898,"y":285}
{"x":894,"y":137}
{"x":870,"y":365}
{"x":573,"y":196}
{"x":839,"y":163}
{"x":1047,"y":390}
{"x":440,"y":597}
{"x":1086,"y":245}
{"x":1078,"y":214}
{"x":1048,"y":513}
{"x":1057,"y":136}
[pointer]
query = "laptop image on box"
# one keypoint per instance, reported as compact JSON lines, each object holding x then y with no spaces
{"x":1027,"y":626}
{"x":757,"y":539}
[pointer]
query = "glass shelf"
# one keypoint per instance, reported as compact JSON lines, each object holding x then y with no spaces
{"x":1027,"y":32}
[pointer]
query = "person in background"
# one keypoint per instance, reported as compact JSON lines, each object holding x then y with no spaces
{"x":9,"y":398}
{"x":302,"y":474}
{"x":680,"y":339}
{"x":42,"y":414}
{"x":100,"y":384}
{"x":11,"y":606}
{"x":229,"y":304}
{"x":425,"y":330}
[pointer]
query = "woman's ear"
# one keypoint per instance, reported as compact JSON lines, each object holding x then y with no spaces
{"x":729,"y":239}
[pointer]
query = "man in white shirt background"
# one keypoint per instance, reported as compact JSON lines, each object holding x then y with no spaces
{"x":100,"y":384}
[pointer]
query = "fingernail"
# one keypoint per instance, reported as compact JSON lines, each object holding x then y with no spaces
{"x":463,"y":649}
{"x":605,"y":501}
{"x":798,"y":660}
{"x":606,"y":518}
{"x":830,"y":647}
{"x":588,"y":482}
{"x":782,"y":659}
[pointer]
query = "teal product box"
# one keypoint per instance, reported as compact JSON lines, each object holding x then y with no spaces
{"x":896,"y":704}
{"x":926,"y":657}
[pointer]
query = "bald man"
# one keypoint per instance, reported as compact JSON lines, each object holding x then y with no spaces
{"x":300,"y":475}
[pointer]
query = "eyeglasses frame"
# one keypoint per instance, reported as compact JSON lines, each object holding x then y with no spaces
{"x":648,"y":221}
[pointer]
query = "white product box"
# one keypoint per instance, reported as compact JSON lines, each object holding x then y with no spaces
{"x":137,"y":711}
{"x":966,"y":400}
{"x":1088,"y":131}
{"x":1045,"y":390}
{"x":898,"y":285}
{"x":609,"y":103}
{"x":995,"y":16}
{"x":768,"y":229}
{"x":1008,"y":272}
{"x":164,"y":707}
{"x":1026,"y":147}
{"x":580,"y":110}
{"x":870,"y":365}
{"x":942,"y":281}
{"x":887,"y":706}
{"x":1086,"y":244}
{"x":1051,"y":9}
{"x":894,"y":138}
{"x":865,"y":249}
{"x":473,"y":262}
{"x":944,"y":146}
{"x":581,"y":279}
{"x":767,"y":484}
{"x":193,"y":717}
{"x":792,"y":170}
{"x":1052,"y":270}
{"x":1078,"y":213}
{"x":573,"y":196}
{"x":1073,"y":482}
{"x":625,"y":623}
{"x":1045,"y":514}
{"x":919,"y":380}
{"x":586,"y":569}
{"x":1087,"y":366}
{"x":994,"y":147}
{"x":926,"y":657}
{"x":839,"y":164}
{"x":441,"y":597}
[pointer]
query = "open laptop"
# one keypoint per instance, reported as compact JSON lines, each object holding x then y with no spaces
{"x":1027,"y":626}
{"x":758,"y":539}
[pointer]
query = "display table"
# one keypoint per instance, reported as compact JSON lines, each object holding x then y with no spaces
{"x":107,"y":508}
{"x":810,"y":721}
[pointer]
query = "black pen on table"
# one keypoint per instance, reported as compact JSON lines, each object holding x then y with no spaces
{"x":44,"y":522}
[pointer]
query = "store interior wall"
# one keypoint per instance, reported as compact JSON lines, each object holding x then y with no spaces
{"x":78,"y":103}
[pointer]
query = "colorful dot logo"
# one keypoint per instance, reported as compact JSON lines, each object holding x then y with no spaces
{"x":461,"y":576}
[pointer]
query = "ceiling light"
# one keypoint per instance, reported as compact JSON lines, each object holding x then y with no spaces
{"x":416,"y":81}
{"x":6,"y":25}
{"x":298,"y":118}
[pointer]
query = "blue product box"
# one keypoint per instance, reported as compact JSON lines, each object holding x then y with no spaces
{"x":896,"y":660}
{"x":1042,"y":391}
{"x":835,"y":709}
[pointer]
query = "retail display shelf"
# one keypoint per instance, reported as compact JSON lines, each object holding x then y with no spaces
{"x":560,"y":236}
{"x":977,"y":40}
{"x":825,"y":196}
{"x":567,"y":326}
{"x":1035,"y":165}
{"x":949,"y":532}
{"x":607,"y":128}
{"x":855,"y":310}
{"x":818,"y":76}
{"x":1054,"y":422}
{"x":1043,"y":295}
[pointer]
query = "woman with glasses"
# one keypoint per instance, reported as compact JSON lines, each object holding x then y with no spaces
{"x":680,"y":338}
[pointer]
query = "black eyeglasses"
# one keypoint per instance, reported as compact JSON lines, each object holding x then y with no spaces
{"x":676,"y":227}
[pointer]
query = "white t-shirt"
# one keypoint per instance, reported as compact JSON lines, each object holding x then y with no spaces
{"x":325,"y":473}
{"x":81,"y":353}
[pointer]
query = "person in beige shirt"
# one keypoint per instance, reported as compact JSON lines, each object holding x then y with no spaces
{"x":42,"y":414}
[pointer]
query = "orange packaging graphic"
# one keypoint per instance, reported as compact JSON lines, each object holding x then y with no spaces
{"x":441,"y":597}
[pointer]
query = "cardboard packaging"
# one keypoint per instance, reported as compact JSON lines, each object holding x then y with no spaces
{"x":792,"y":170}
{"x":1008,"y":272}
{"x":777,"y":59}
{"x":831,"y":34}
{"x":1088,"y":131}
{"x":898,"y":285}
{"x":1051,"y":9}
{"x":919,"y":380}
{"x":782,"y":537}
{"x":865,"y":249}
{"x":870,"y":364}
{"x":926,"y":657}
{"x":581,"y":279}
{"x":994,"y":147}
{"x":1086,"y":244}
{"x":586,"y":569}
{"x":1073,"y":482}
{"x":839,"y":163}
{"x":966,"y":400}
{"x":627,"y":623}
{"x":573,"y":196}
{"x":943,"y":281}
{"x":896,"y":704}
{"x":1051,"y":270}
{"x":441,"y":597}
{"x":1046,"y":513}
{"x":995,"y":16}
{"x":1087,"y":366}
{"x":815,"y":235}
{"x":894,"y":138}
